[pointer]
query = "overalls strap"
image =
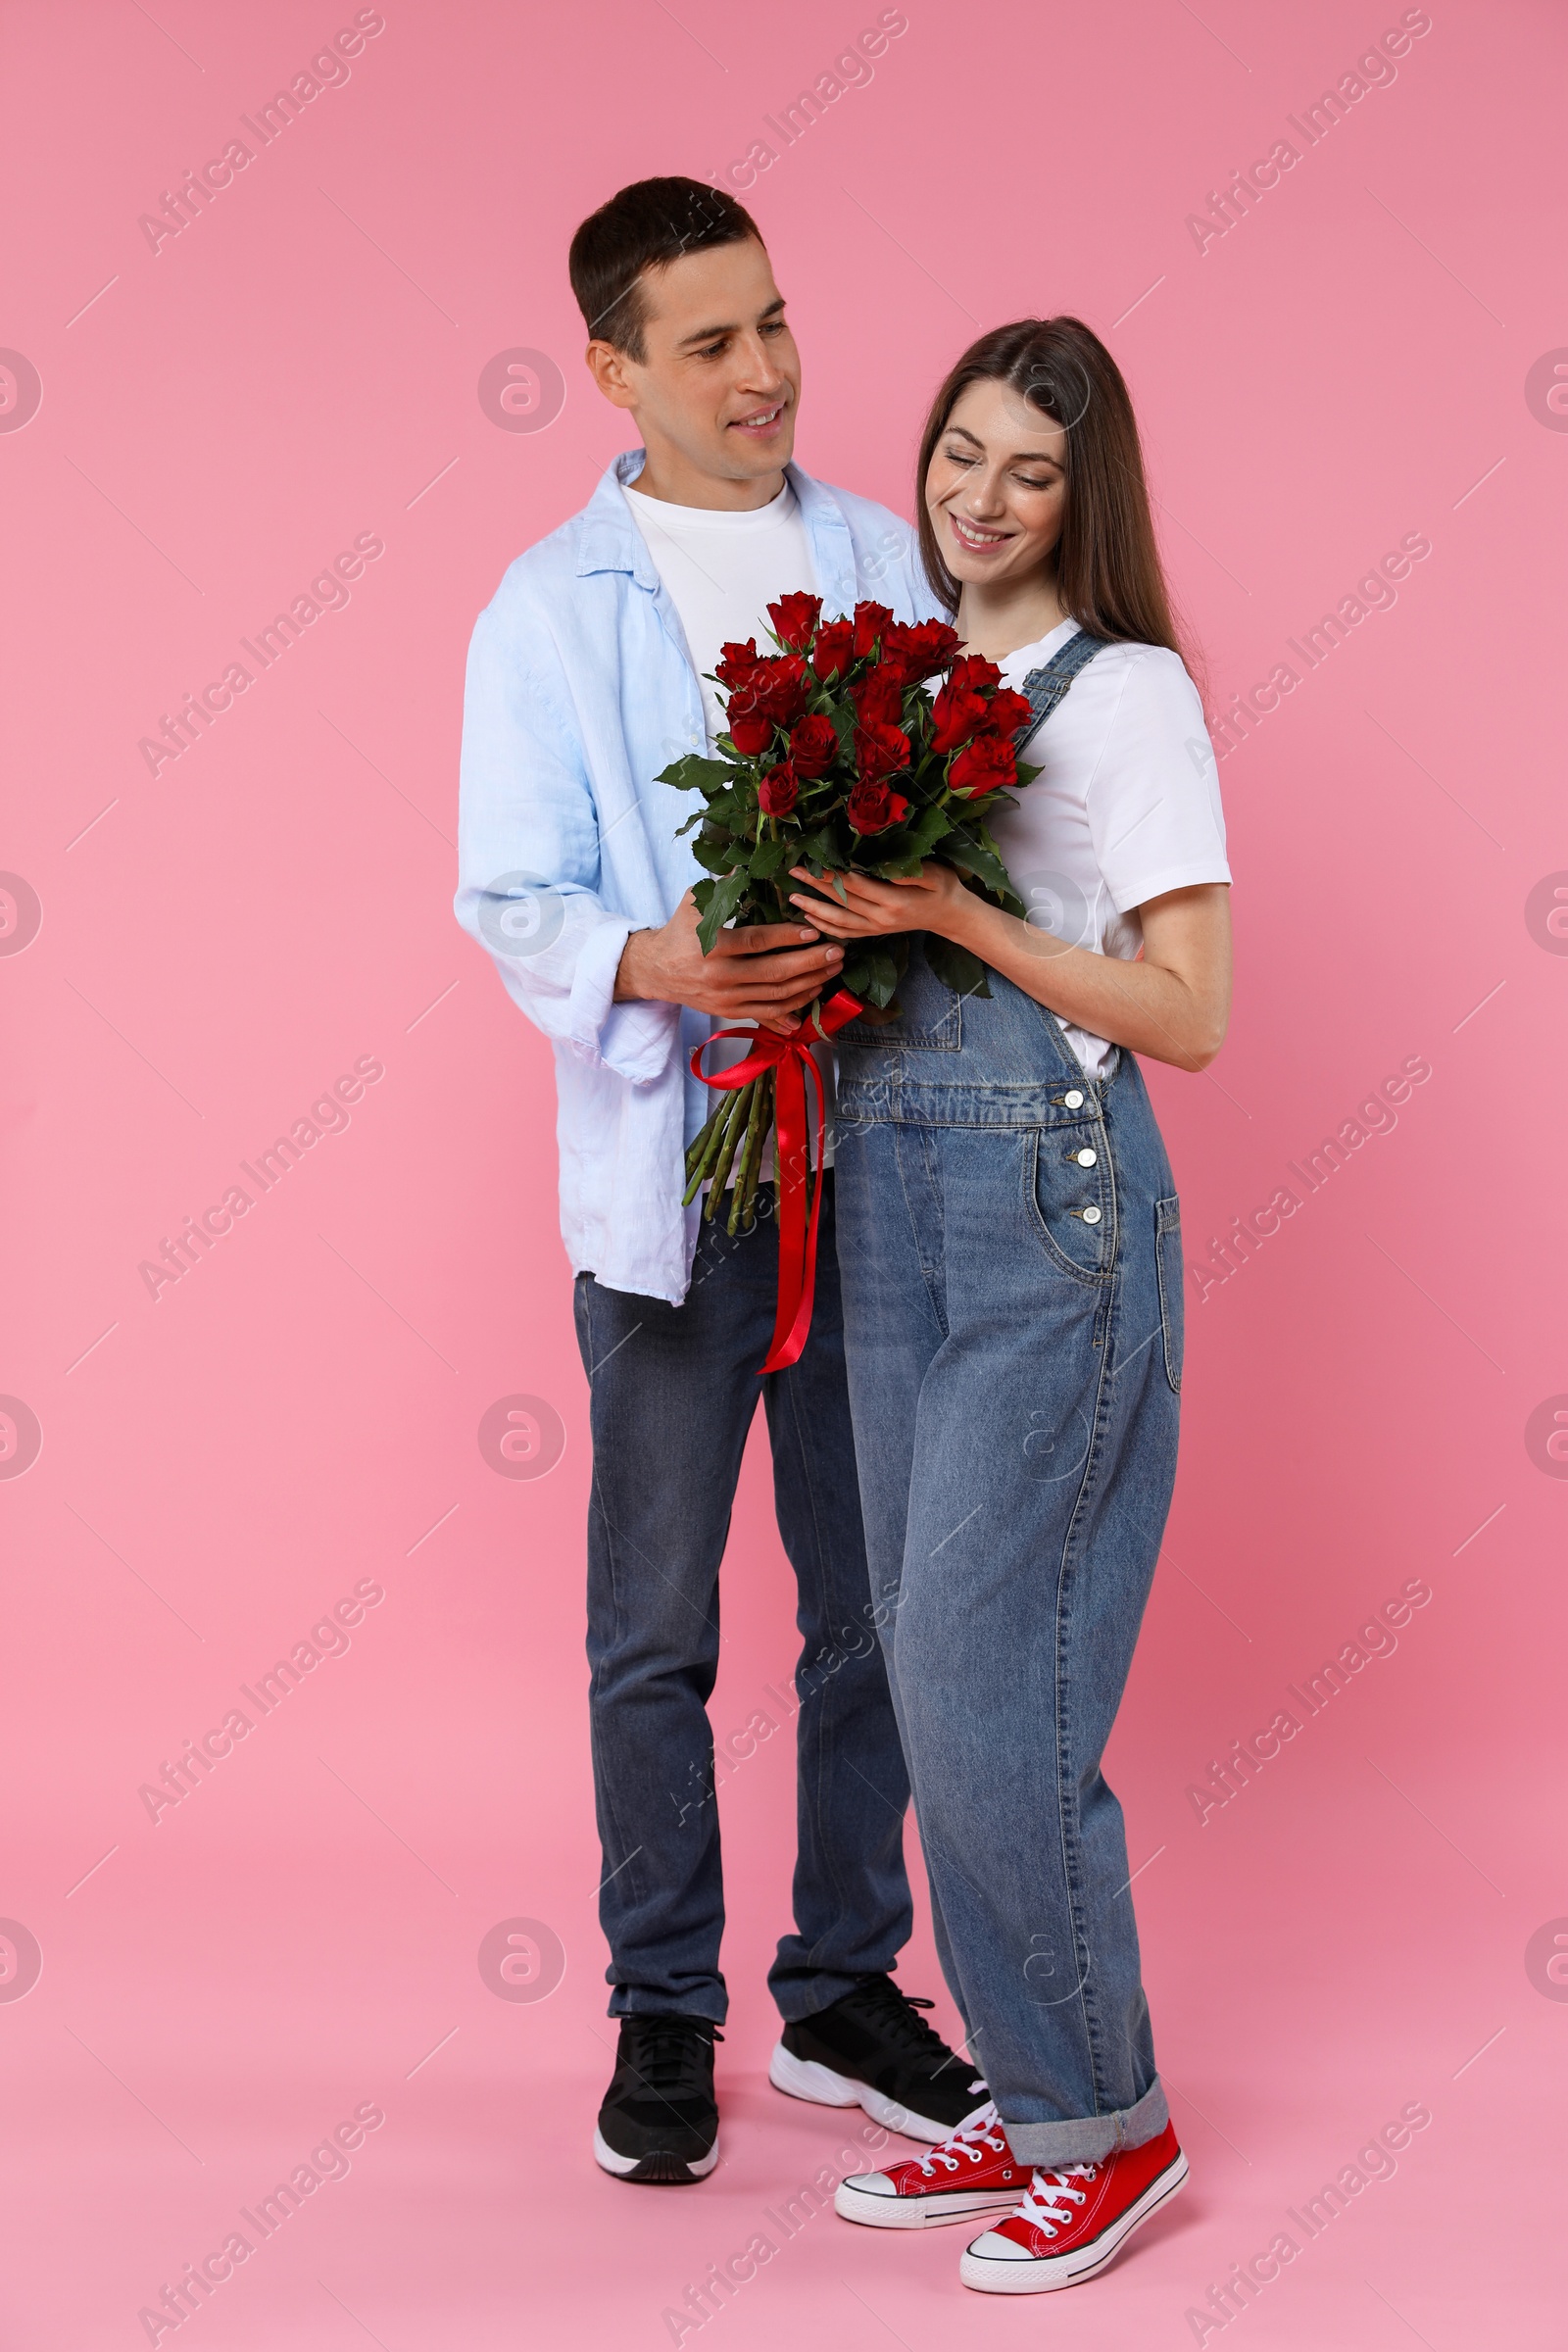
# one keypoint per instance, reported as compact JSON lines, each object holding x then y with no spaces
{"x":1045,"y":686}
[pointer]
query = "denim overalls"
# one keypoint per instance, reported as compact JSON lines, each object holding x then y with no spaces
{"x":1009,"y":1250}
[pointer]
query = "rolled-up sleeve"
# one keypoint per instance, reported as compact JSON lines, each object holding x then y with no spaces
{"x":529,"y":855}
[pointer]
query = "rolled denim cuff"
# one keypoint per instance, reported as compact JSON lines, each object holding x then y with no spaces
{"x":1088,"y":2138}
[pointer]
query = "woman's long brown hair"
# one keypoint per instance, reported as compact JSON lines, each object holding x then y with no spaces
{"x":1108,"y":574}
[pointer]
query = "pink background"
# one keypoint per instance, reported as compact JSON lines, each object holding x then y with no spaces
{"x":1347,"y":364}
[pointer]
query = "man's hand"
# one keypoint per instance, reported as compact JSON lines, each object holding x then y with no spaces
{"x":762,"y":974}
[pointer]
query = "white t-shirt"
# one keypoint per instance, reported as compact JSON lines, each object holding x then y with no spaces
{"x":1126,"y":803}
{"x":723,"y":570}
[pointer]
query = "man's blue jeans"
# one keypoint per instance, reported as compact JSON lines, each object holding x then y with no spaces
{"x":1011,"y":1245}
{"x":673,"y":1390}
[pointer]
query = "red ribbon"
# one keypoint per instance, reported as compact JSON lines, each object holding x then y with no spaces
{"x":790,"y":1058}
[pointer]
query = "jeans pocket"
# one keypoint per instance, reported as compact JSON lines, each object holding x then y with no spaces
{"x":1072,"y":1195}
{"x":1168,"y":1265}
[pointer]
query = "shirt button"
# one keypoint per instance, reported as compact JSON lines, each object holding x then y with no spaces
{"x":1074,"y":1100}
{"x":1090,"y":1216}
{"x":1084,"y":1159}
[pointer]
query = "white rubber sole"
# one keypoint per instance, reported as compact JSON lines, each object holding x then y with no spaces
{"x":698,"y":2168}
{"x":853,"y":2204}
{"x":805,"y":2078}
{"x":1026,"y":2277}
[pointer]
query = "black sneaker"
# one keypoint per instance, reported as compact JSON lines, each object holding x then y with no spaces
{"x":871,"y":2049}
{"x":659,"y":2119}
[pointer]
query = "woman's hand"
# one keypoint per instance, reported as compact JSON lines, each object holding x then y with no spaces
{"x":933,"y":900}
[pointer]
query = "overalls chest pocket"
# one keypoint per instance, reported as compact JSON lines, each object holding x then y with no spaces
{"x":930,"y":1017}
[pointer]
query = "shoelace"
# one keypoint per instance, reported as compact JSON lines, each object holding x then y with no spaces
{"x":981,"y":2132}
{"x":670,"y":2053}
{"x":1049,"y":2198}
{"x":896,"y":2015}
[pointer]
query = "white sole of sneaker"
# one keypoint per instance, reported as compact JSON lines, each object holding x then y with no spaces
{"x":919,"y":2213}
{"x":805,"y":2078}
{"x":698,"y":2168}
{"x":1040,"y":2277}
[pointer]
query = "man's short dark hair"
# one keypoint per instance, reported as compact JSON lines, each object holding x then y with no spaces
{"x":646,"y":226}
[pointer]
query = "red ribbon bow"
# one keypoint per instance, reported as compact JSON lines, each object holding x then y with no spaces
{"x":791,"y":1058}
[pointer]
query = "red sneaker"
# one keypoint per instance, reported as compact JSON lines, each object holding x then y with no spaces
{"x":974,"y":2172}
{"x":1073,"y":2221}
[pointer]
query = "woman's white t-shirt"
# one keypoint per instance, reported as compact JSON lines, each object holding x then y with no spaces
{"x":1125,"y":807}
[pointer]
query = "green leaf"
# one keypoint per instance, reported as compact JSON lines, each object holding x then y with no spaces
{"x":769,"y":856}
{"x":696,"y":773}
{"x":718,"y":855}
{"x":891,"y":848}
{"x":725,"y":897}
{"x":731,"y":809}
{"x":963,"y":973}
{"x":933,"y":824}
{"x":882,"y":975}
{"x":976,"y":857}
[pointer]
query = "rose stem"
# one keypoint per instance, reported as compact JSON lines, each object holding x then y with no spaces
{"x":740,"y":1215}
{"x":711,"y":1137}
{"x":699,"y":1144}
{"x":733,"y":1132}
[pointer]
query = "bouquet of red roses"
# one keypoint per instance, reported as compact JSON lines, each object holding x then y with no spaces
{"x":840,"y":756}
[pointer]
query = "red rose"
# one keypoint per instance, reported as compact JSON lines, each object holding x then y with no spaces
{"x":834,"y":648}
{"x":793,"y":618}
{"x":1007,"y":712}
{"x":813,"y":746}
{"x":771,"y":694}
{"x":986,"y":764}
{"x":879,"y":696}
{"x":921,"y":651}
{"x":881,"y":751}
{"x":956,"y":713}
{"x":735,"y":663}
{"x":973,"y":669}
{"x":874,"y":806}
{"x":780,"y":683}
{"x":869,"y":622}
{"x":750,"y":721}
{"x":777,"y":791}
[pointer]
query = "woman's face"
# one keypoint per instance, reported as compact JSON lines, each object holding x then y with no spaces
{"x":995,"y":485}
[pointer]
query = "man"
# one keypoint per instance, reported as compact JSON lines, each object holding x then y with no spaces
{"x":587,"y":676}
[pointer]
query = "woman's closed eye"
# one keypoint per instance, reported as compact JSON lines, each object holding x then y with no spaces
{"x":1025,"y":481}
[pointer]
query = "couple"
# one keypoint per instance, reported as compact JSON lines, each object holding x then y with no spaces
{"x":974,"y":1453}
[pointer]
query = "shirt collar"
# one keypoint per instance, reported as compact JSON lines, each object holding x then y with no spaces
{"x":609,"y":540}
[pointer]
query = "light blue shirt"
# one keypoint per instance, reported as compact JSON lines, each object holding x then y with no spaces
{"x":580,"y":689}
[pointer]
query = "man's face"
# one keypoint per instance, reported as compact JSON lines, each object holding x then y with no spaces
{"x":717,"y":389}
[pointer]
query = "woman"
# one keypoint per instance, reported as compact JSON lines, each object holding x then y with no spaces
{"x":1010,"y":1254}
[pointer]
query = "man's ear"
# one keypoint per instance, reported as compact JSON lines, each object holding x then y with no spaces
{"x":613,"y":372}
